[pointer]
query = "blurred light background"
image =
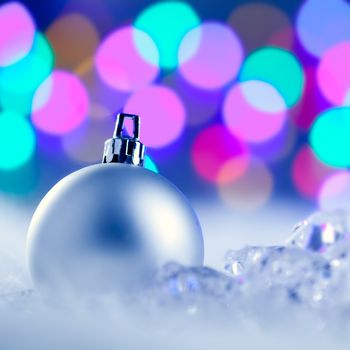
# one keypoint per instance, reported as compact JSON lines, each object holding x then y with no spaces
{"x":245,"y":105}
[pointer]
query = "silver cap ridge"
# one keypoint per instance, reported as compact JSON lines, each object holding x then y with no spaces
{"x":123,"y":148}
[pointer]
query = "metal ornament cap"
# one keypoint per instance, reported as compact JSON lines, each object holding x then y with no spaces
{"x":123,"y":148}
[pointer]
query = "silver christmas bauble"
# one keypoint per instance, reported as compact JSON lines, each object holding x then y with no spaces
{"x":109,"y":227}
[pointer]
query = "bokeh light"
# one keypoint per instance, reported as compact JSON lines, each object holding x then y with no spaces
{"x":259,"y":24}
{"x":333,"y":74}
{"x":17,"y":31}
{"x":222,"y":93}
{"x":73,"y":38}
{"x":19,"y":81}
{"x":201,"y":105}
{"x":322,"y":24}
{"x":22,"y":181}
{"x":102,"y":95}
{"x":214,"y":148}
{"x":329,"y":137}
{"x":251,"y":190}
{"x":150,"y":164}
{"x":276,"y":148}
{"x":163,"y":114}
{"x":17,"y":141}
{"x":166,"y":23}
{"x":85,"y":144}
{"x":309,"y":173}
{"x":312,"y":102}
{"x":120,"y":64}
{"x":277,"y":67}
{"x":60,"y":104}
{"x":217,"y":59}
{"x":254,"y":111}
{"x":99,"y":112}
{"x":335,"y":192}
{"x":28,"y":73}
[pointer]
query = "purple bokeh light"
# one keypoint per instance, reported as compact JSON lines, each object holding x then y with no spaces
{"x":217,"y":59}
{"x":201,"y":105}
{"x":322,"y":24}
{"x":335,"y":192}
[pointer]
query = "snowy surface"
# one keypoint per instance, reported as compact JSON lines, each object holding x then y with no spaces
{"x":257,"y":292}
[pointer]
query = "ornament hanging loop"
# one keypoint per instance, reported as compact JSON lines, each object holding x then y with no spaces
{"x":124,"y":148}
{"x":119,"y":126}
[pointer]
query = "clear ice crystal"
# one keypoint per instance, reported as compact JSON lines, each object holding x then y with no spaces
{"x":180,"y":282}
{"x":321,"y":231}
{"x":239,"y":262}
{"x":297,"y":274}
{"x":287,"y":271}
{"x":190,"y":290}
{"x":312,"y":270}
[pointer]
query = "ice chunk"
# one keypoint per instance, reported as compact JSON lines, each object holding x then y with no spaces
{"x":321,"y":231}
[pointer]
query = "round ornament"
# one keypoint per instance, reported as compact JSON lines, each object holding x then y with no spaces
{"x":109,"y":226}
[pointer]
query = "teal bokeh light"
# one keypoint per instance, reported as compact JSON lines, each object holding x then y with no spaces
{"x":166,"y":23}
{"x":17,"y":141}
{"x":330,"y":139}
{"x":19,"y":81}
{"x":150,"y":165}
{"x":278,"y":67}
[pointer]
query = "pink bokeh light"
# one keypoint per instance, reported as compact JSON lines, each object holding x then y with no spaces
{"x":60,"y":104}
{"x":120,"y":64}
{"x":335,"y":192}
{"x":218,"y":156}
{"x":162,"y":114}
{"x":254,"y":111}
{"x":17,"y":31}
{"x":333,"y":74}
{"x":309,"y":173}
{"x":217,"y":59}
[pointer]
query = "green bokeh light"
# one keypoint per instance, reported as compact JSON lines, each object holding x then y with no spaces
{"x":150,"y":165}
{"x":278,"y":67}
{"x":17,"y":141}
{"x":19,"y":81}
{"x":166,"y":23}
{"x":330,"y":138}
